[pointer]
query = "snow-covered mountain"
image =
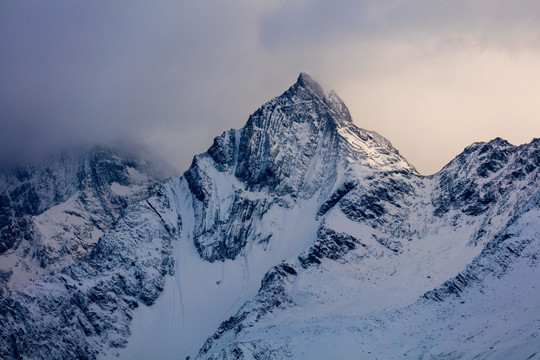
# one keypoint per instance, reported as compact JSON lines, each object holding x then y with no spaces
{"x":53,"y":213}
{"x":448,"y":271}
{"x":303,"y":236}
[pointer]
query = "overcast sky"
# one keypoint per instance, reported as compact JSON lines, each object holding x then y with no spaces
{"x":431,"y":76}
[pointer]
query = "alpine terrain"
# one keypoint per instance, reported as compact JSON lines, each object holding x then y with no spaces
{"x":53,"y":213}
{"x":297,"y":236}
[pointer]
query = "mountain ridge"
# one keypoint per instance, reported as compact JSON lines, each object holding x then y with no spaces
{"x":298,"y":215}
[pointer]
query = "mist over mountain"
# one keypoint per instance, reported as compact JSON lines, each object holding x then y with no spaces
{"x":179,"y":72}
{"x":299,"y":235}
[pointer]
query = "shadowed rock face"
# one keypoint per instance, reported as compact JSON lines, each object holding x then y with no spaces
{"x":370,"y":212}
{"x":483,"y":173}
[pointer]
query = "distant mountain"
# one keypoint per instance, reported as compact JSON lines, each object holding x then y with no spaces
{"x":303,"y":236}
{"x":53,"y":213}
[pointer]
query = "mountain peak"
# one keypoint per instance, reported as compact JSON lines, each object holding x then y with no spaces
{"x":294,"y":144}
{"x":330,"y":98}
{"x":308,"y":83}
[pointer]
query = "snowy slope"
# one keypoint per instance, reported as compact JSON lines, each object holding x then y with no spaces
{"x":53,"y":213}
{"x":254,"y":204}
{"x":302,"y":236}
{"x":489,"y":311}
{"x":87,"y":307}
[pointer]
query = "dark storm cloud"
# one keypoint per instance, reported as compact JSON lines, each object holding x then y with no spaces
{"x":63,"y":82}
{"x":77,"y":73}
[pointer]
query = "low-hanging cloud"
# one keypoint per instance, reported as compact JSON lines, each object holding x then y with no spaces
{"x":174,"y":74}
{"x":79,"y":73}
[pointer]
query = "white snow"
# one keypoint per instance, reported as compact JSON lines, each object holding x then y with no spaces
{"x":498,"y":319}
{"x":136,"y":175}
{"x":124,"y":190}
{"x":201,"y":294}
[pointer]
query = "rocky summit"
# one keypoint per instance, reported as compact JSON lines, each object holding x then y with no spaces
{"x":297,"y":236}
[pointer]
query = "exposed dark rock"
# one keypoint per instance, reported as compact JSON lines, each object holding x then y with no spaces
{"x":330,"y":245}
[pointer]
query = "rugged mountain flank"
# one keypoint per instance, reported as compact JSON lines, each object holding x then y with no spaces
{"x":53,"y":213}
{"x":87,"y":307}
{"x":487,"y":311}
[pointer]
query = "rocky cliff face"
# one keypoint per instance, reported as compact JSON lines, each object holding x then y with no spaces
{"x":52,"y":214}
{"x":316,"y":236}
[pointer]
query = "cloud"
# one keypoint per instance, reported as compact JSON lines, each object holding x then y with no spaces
{"x":76,"y":72}
{"x":174,"y":74}
{"x":464,"y":22}
{"x":432,"y":76}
